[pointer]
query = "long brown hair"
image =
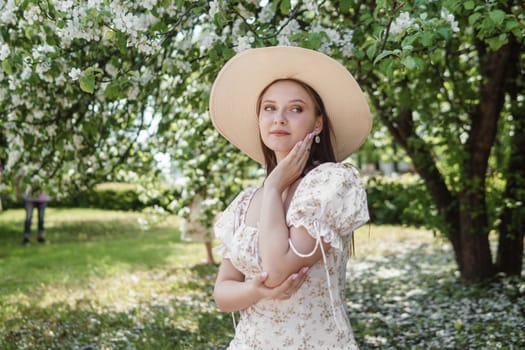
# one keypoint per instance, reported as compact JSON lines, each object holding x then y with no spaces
{"x":321,"y":152}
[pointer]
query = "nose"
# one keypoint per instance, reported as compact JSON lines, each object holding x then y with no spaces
{"x":279,"y":118}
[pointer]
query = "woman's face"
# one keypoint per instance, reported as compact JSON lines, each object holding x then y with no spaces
{"x":286,"y":116}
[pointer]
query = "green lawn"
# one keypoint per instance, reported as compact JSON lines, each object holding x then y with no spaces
{"x":102,"y":282}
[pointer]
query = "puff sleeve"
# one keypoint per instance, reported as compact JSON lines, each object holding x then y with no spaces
{"x":226,"y":224}
{"x":330,"y":203}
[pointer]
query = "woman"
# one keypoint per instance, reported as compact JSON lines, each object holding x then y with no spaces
{"x":285,"y":245}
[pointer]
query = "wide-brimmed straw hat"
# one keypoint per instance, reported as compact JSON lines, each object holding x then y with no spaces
{"x":238,"y":85}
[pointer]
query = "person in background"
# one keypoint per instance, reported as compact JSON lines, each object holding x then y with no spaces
{"x":30,"y":189}
{"x":194,"y":229}
{"x":1,"y":174}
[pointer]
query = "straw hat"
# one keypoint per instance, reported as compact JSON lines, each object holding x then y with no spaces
{"x":238,"y":85}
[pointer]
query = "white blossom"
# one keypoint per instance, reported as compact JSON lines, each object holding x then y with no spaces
{"x":4,"y":51}
{"x":42,"y":67}
{"x":77,"y":141}
{"x":75,"y":73}
{"x":149,"y":4}
{"x":51,"y":130}
{"x":401,"y":23}
{"x":133,"y":92}
{"x":32,"y":15}
{"x":449,"y":17}
{"x":291,"y":27}
{"x":244,"y":43}
{"x":111,"y":69}
{"x":207,"y":39}
{"x":311,"y":6}
{"x":64,"y":5}
{"x":7,"y":15}
{"x":214,"y":8}
{"x":266,"y":14}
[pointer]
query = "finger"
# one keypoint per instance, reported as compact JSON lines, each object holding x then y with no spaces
{"x":261,"y":278}
{"x":308,"y":142}
{"x":286,"y":285}
{"x":299,"y":280}
{"x":304,"y":152}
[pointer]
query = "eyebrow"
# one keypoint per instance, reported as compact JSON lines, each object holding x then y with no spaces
{"x":291,"y":101}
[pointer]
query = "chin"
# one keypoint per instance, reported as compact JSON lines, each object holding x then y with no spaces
{"x":279,"y":149}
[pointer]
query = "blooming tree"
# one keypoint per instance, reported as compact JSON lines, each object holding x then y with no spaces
{"x":92,"y":90}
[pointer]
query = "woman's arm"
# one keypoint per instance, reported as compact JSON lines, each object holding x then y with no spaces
{"x":278,"y":259}
{"x":233,"y":293}
{"x":276,"y":255}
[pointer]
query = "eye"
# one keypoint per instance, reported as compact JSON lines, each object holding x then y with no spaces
{"x":297,"y":109}
{"x":268,"y":108}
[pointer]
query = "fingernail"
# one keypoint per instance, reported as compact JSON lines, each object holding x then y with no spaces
{"x":294,"y":276}
{"x":305,"y":270}
{"x":264,"y":274}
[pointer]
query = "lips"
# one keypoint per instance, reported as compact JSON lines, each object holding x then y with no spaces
{"x":279,"y":133}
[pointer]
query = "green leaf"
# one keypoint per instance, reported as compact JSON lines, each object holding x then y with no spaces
{"x":113,"y":90}
{"x":426,"y":39}
{"x":409,"y":62}
{"x":371,"y":51}
{"x":87,"y":83}
{"x":314,"y":40}
{"x":95,"y":71}
{"x":122,"y":43}
{"x":6,"y":65}
{"x":345,"y":5}
{"x":510,"y":25}
{"x":497,"y":42}
{"x":285,"y":7}
{"x":497,"y":16}
{"x":444,"y":32}
{"x":473,"y":18}
{"x":384,"y":54}
{"x":469,"y":5}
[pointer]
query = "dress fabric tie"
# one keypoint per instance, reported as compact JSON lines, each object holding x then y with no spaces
{"x":328,"y":282}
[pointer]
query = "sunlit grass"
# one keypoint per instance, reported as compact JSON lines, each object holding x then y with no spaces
{"x":84,"y":244}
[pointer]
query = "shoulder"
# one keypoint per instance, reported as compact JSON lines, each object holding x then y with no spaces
{"x":333,"y":174}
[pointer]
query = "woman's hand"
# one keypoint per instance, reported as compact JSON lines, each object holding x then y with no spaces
{"x":291,"y":167}
{"x":283,"y":291}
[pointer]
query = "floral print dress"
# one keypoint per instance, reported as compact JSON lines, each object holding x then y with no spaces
{"x":330,"y":202}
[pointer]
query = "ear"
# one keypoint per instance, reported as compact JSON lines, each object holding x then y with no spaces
{"x":318,"y":125}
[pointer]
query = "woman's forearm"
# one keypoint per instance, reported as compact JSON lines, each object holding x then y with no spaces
{"x":273,"y":237}
{"x":231,"y":295}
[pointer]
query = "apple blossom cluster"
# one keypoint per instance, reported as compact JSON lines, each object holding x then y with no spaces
{"x":401,"y":23}
{"x":445,"y":14}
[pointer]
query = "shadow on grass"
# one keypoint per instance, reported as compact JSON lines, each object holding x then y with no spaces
{"x":415,"y":300}
{"x":175,"y":323}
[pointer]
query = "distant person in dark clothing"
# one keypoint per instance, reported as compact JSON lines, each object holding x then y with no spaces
{"x":34,"y":197}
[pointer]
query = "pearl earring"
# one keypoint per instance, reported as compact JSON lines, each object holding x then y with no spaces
{"x":317,"y":139}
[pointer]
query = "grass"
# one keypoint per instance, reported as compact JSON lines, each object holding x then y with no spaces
{"x":102,"y":282}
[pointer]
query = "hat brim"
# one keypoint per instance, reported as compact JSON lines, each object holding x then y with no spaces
{"x":238,"y":85}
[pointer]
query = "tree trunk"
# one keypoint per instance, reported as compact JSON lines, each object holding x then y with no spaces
{"x":512,"y":221}
{"x":475,"y":256}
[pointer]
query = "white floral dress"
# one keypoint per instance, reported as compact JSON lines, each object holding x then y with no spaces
{"x":330,"y":202}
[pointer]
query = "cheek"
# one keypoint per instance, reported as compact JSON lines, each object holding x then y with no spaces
{"x":264,"y":121}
